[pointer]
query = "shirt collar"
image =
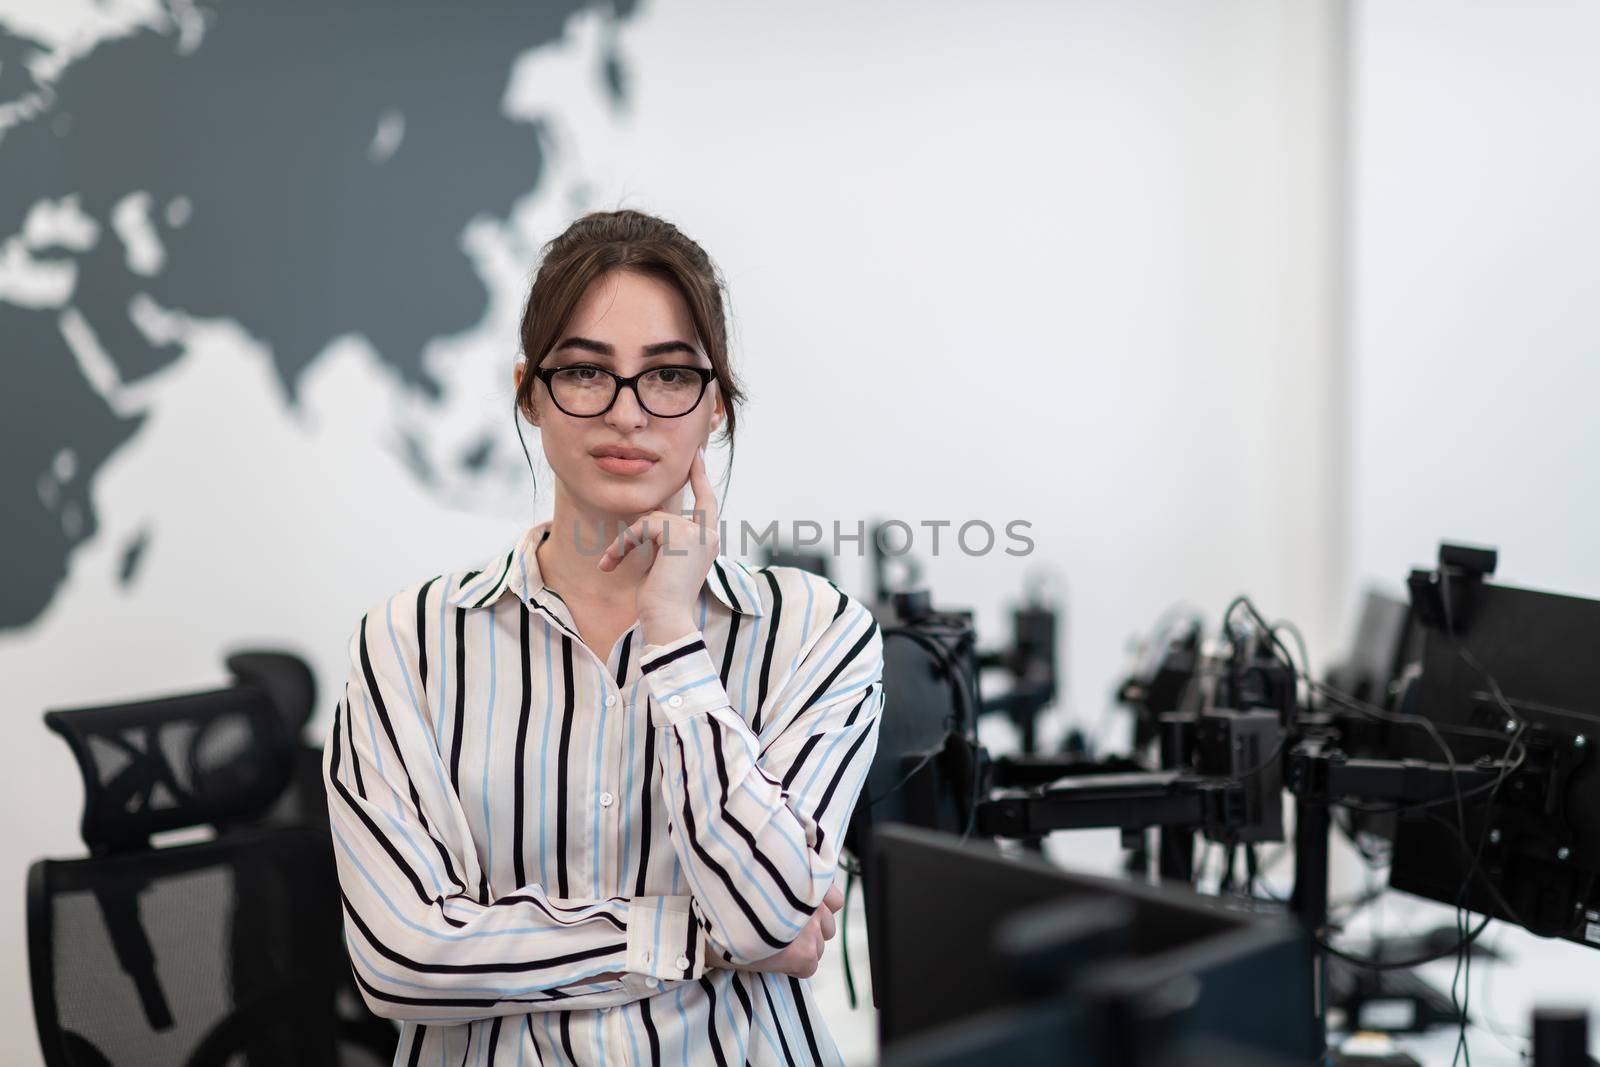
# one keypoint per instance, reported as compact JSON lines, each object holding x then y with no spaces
{"x":517,"y":570}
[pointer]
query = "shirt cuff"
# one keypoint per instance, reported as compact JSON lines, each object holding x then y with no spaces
{"x":682,"y":678}
{"x":665,"y":941}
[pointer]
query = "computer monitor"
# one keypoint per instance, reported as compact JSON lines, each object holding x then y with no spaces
{"x":1541,"y":843}
{"x":969,"y":932}
{"x":1385,"y":640}
{"x":927,"y":769}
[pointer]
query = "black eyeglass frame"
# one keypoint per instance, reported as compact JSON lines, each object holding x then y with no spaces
{"x":618,"y":382}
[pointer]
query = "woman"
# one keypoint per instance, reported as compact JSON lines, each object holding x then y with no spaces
{"x":587,"y":804}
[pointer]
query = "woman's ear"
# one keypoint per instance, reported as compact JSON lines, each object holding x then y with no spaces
{"x":527,"y":406}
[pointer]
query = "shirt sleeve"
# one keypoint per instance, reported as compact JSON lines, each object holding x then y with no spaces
{"x":757,"y":812}
{"x":427,"y":942}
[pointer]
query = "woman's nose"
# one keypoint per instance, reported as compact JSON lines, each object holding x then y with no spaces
{"x":626,"y":411}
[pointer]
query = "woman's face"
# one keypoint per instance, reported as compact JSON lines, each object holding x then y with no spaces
{"x":625,"y":322}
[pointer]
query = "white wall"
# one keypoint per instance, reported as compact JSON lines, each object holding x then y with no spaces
{"x":1476,"y":288}
{"x":1069,"y":263}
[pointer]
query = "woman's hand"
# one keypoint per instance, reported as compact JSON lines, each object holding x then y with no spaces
{"x":683,"y":548}
{"x":803,"y":955}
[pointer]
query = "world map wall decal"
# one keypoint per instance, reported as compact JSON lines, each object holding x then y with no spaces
{"x":304,"y":169}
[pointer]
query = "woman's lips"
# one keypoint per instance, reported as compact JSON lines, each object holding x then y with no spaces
{"x":618,"y":465}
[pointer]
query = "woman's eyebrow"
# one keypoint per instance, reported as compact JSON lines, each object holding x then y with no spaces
{"x":660,"y":348}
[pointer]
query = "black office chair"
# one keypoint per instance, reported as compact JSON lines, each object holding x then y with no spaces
{"x":221,"y":952}
{"x":364,"y":1038}
{"x":289,"y":683}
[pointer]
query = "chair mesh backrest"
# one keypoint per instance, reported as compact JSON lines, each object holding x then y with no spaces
{"x":180,"y":761}
{"x":219,"y":953}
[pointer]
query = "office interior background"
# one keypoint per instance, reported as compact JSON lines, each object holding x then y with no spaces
{"x":1221,"y":297}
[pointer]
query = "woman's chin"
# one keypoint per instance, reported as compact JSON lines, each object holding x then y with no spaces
{"x":623,"y":500}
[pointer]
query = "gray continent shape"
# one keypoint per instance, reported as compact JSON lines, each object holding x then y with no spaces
{"x":295,"y":233}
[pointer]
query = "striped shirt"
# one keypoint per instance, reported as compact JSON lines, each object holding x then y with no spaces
{"x":514,"y":816}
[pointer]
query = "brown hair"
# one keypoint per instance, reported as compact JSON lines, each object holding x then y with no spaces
{"x":603,"y":241}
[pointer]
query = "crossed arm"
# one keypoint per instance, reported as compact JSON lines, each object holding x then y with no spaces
{"x":756,"y":813}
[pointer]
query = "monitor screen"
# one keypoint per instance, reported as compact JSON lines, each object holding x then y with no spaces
{"x":1541,"y":836}
{"x":1192,"y":965}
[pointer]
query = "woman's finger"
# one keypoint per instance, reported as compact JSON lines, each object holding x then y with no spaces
{"x":829,"y":925}
{"x":834,"y":898}
{"x":705,"y":500}
{"x":646,"y":527}
{"x":805,"y":962}
{"x":620,"y":546}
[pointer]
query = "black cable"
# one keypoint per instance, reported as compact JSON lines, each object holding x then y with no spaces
{"x":1489,"y":1024}
{"x":972,"y":807}
{"x":1418,"y":805}
{"x":1401,"y":965}
{"x":1299,"y":641}
{"x":1464,"y":960}
{"x":1467,"y":852}
{"x":951,"y":666}
{"x":1356,"y":903}
{"x":1402,"y":718}
{"x":973,"y":705}
{"x":844,"y":936}
{"x":1266,"y":761}
{"x":1272,"y":637}
{"x":912,"y":773}
{"x":1466,"y":934}
{"x":947,"y":660}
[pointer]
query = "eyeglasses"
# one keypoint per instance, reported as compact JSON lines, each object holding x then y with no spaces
{"x":584,"y":390}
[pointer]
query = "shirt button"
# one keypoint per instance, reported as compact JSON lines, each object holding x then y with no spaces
{"x":675,"y":702}
{"x":653,"y":982}
{"x":611,"y":699}
{"x":605,"y":802}
{"x":682,"y":963}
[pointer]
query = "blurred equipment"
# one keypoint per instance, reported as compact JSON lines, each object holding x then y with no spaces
{"x":793,"y":556}
{"x":1528,"y":848}
{"x":928,"y":769}
{"x":1382,"y":659}
{"x":1062,"y":967}
{"x":1466,"y":743}
{"x":1218,"y":773}
{"x":1163,"y":677}
{"x":1029,"y":663}
{"x":218,"y":951}
{"x":883,"y":587}
{"x":1493,"y":794}
{"x":1387,"y":640}
{"x":1511,"y":678}
{"x":1561,"y":1037}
